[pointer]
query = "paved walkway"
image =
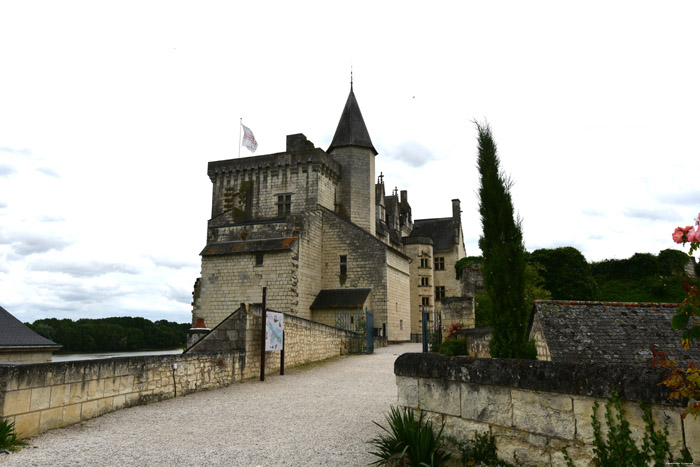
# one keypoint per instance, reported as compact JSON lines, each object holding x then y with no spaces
{"x":320,"y":415}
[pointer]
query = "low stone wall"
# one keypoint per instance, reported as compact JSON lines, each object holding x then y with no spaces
{"x":536,"y":408}
{"x":478,"y":340}
{"x":39,"y":397}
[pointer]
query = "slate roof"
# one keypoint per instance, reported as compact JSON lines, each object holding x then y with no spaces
{"x":16,"y":335}
{"x":341,"y":298}
{"x":610,"y":331}
{"x":248,"y":246}
{"x":441,"y":231}
{"x":351,"y":130}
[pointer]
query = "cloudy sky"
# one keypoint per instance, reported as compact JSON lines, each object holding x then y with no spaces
{"x":110,"y":111}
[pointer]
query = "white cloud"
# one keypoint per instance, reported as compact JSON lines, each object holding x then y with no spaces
{"x":81,"y":269}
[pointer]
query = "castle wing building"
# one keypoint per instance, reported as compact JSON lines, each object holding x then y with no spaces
{"x":315,"y":229}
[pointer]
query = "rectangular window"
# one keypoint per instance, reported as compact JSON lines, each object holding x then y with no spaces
{"x":424,"y":263}
{"x":259,"y":259}
{"x":425,"y":282}
{"x":425,"y":301}
{"x":439,"y":292}
{"x":343,"y":265}
{"x":284,"y":205}
{"x":439,"y":264}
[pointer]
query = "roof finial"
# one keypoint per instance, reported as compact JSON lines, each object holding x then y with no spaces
{"x":350,"y":78}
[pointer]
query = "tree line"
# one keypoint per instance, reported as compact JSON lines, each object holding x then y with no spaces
{"x":112,"y":334}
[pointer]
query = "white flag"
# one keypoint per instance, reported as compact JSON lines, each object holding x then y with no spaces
{"x":249,"y":139}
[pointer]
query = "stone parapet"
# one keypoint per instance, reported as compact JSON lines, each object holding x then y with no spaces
{"x":536,"y":408}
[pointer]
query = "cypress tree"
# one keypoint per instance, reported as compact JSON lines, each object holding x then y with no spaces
{"x":504,"y":261}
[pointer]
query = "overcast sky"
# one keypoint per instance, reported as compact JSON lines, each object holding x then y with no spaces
{"x":110,"y":111}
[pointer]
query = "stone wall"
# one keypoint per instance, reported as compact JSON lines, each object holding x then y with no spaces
{"x":478,"y":340}
{"x":535,"y":408}
{"x":40,"y":397}
{"x":27,"y":356}
{"x":458,"y":310}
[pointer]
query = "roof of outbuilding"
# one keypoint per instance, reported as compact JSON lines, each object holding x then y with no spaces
{"x":351,"y":130}
{"x":441,"y":231}
{"x":610,"y":331}
{"x":341,"y":298}
{"x":15,"y":334}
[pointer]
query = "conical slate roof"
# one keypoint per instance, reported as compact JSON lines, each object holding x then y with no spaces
{"x":14,"y":333}
{"x":351,"y":129}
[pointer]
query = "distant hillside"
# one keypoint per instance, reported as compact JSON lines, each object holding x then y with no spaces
{"x":112,"y":334}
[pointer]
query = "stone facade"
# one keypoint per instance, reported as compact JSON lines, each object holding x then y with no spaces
{"x":307,"y":220}
{"x":535,"y":409}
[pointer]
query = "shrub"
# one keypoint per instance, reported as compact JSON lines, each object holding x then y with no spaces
{"x":8,"y":437}
{"x":408,"y":442}
{"x":619,"y":449}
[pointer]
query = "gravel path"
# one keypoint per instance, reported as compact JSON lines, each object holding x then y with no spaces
{"x":321,"y":415}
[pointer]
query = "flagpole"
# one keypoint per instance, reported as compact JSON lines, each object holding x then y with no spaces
{"x":240,"y":125}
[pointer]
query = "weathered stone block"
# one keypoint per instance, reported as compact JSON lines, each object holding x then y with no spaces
{"x":17,"y":402}
{"x":461,"y":429}
{"x":545,"y":413}
{"x":71,"y":414}
{"x":27,"y":424}
{"x":583,"y":409}
{"x":441,"y":396}
{"x":41,"y":398}
{"x":692,"y":436}
{"x":89,"y":409}
{"x":59,"y":395}
{"x":118,"y":402}
{"x":489,"y":404}
{"x":407,"y":389}
{"x":51,"y":418}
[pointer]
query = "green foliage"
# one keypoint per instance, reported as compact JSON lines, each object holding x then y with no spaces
{"x":483,"y":309}
{"x":464,"y":262}
{"x":642,"y":278}
{"x":502,"y":246}
{"x":112,"y":334}
{"x":408,"y":441}
{"x":481,"y":451}
{"x":566,"y":273}
{"x":453,"y":347}
{"x":619,"y":449}
{"x":534,"y":285}
{"x":8,"y":437}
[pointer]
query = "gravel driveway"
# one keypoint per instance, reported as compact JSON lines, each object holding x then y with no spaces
{"x":319,"y":415}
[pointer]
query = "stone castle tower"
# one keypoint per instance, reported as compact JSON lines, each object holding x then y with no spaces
{"x":315,"y":229}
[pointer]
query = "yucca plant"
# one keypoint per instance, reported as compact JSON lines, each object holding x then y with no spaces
{"x":408,"y":442}
{"x":8,"y":437}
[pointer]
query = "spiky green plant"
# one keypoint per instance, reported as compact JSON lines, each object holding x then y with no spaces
{"x":408,"y":441}
{"x":8,"y":437}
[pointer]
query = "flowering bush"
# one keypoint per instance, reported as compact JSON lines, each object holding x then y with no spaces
{"x":685,"y":382}
{"x":452,"y":333}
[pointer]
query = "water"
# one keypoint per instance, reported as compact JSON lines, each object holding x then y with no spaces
{"x":96,"y":356}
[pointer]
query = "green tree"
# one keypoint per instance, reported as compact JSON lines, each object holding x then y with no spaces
{"x":567,"y":274}
{"x":502,"y":247}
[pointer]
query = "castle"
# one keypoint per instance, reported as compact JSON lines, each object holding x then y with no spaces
{"x":315,"y":229}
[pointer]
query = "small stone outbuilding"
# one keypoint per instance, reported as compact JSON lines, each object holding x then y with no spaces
{"x":19,"y":344}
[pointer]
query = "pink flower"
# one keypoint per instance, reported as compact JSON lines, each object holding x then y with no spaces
{"x":697,"y":220}
{"x":680,"y":235}
{"x":693,"y":235}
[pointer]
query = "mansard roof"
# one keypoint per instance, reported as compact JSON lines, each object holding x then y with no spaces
{"x":16,"y":335}
{"x":341,"y":298}
{"x":441,"y":231}
{"x":351,"y":129}
{"x":612,"y":332}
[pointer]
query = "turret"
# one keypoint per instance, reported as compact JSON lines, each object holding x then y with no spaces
{"x":353,"y":149}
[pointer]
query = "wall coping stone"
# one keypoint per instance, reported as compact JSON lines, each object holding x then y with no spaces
{"x":583,"y":379}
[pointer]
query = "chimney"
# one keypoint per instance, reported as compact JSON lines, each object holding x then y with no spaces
{"x":456,"y":211}
{"x":404,"y":196}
